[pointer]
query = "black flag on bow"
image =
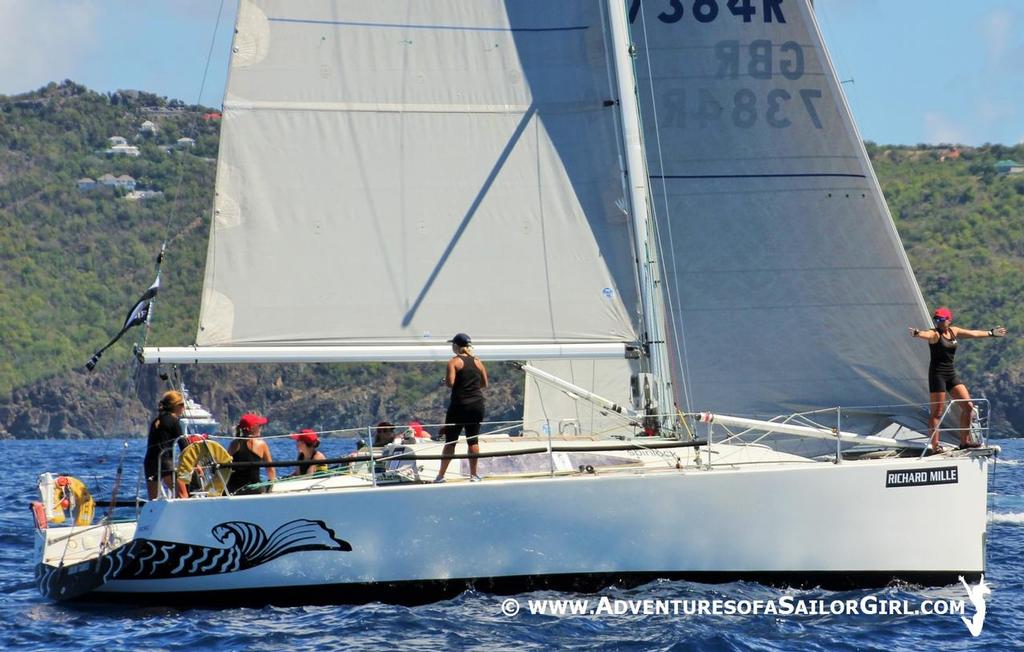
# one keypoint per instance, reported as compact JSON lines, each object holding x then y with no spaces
{"x":137,"y":315}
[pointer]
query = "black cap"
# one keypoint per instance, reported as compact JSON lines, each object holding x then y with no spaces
{"x":461,"y":339}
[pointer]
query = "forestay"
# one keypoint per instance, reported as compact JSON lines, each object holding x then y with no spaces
{"x":393,"y":172}
{"x":789,"y":288}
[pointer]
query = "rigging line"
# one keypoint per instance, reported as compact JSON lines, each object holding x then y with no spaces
{"x":793,"y":175}
{"x":136,"y":375}
{"x":199,"y":99}
{"x":677,"y":328}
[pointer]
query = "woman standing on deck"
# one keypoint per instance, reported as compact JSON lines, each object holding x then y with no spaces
{"x":164,"y":431}
{"x":942,"y":378}
{"x":248,"y":447}
{"x":467,"y":377}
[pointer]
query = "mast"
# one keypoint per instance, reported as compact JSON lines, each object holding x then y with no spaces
{"x":623,"y":53}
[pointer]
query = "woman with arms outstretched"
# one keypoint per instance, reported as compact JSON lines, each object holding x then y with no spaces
{"x":942,"y":342}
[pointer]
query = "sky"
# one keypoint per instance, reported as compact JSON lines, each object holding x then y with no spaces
{"x":922,"y":71}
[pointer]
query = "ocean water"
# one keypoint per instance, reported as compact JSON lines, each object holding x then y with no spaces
{"x":476,"y":620}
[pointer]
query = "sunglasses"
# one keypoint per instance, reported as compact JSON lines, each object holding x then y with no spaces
{"x":940,"y":319}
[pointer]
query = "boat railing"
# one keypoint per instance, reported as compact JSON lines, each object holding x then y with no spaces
{"x":832,"y":419}
{"x":624,"y":434}
{"x":978,"y":424}
{"x":627,"y":430}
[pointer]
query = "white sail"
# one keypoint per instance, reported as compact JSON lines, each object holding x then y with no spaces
{"x":393,"y":172}
{"x":788,"y":286}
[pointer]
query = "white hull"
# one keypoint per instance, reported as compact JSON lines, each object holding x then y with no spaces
{"x":819,"y":523}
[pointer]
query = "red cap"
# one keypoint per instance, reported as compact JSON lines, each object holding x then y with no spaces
{"x":307,"y":436}
{"x":250,"y":421}
{"x":944,"y":313}
{"x":417,"y":429}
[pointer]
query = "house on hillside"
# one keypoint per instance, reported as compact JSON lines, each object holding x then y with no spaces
{"x":148,"y":128}
{"x":125,"y":182}
{"x":211,"y":116}
{"x":1008,"y":166}
{"x":185,"y":142}
{"x":85,"y":184}
{"x":117,"y":140}
{"x":950,"y":155}
{"x":107,"y":181}
{"x":142,"y":195}
{"x":123,"y":150}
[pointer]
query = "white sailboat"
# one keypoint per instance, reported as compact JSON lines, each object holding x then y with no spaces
{"x":665,"y":207}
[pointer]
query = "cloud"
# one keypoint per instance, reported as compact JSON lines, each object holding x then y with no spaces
{"x":939,"y":128}
{"x":43,"y":42}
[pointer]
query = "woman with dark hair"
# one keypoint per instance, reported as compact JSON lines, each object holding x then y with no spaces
{"x":158,"y":464}
{"x":942,"y":378}
{"x":248,"y":447}
{"x":307,"y":442}
{"x":467,"y":377}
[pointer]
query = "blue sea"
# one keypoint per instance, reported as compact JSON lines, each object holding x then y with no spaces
{"x":473,"y":620}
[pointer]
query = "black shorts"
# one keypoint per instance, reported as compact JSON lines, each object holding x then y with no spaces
{"x":463,"y":416}
{"x":942,"y":381}
{"x":166,"y":466}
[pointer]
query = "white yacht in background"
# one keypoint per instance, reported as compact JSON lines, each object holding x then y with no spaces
{"x":197,"y":420}
{"x":665,"y":207}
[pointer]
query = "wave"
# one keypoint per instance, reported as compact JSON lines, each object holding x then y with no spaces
{"x":1016,"y":518}
{"x":1003,"y":461}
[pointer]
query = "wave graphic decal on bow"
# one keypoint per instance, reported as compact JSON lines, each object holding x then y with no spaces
{"x":245,"y":545}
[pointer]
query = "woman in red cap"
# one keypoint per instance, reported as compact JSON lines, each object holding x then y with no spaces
{"x":307,"y":442}
{"x":248,"y":447}
{"x":942,"y":378}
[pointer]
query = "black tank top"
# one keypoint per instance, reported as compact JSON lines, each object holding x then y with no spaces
{"x":241,"y":477}
{"x":942,"y":353}
{"x":468,"y":387}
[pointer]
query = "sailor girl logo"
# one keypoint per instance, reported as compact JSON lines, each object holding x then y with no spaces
{"x":977,"y":596}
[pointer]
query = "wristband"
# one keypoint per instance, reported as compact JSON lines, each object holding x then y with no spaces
{"x":916,"y":332}
{"x":991,"y":332}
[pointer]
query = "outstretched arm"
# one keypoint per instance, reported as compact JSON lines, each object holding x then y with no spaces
{"x":967,"y":334}
{"x":930,"y":335}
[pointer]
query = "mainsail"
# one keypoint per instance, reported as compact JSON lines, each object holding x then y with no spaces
{"x":788,"y":287}
{"x":393,"y":172}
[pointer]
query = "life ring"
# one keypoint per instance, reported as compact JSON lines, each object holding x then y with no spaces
{"x":72,"y":499}
{"x":204,"y":454}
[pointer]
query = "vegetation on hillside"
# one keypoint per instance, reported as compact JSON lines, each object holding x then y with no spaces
{"x":71,"y":263}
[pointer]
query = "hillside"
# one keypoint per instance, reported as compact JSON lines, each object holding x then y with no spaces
{"x":73,"y":260}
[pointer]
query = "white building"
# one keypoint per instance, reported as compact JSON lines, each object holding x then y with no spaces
{"x":148,"y":128}
{"x":185,"y":142}
{"x":123,"y":150}
{"x":117,"y":140}
{"x":85,"y":184}
{"x":142,"y":195}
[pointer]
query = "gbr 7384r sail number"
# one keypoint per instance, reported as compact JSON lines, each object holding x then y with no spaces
{"x":705,"y":11}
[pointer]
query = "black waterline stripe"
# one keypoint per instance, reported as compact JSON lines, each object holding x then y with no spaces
{"x":413,"y":592}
